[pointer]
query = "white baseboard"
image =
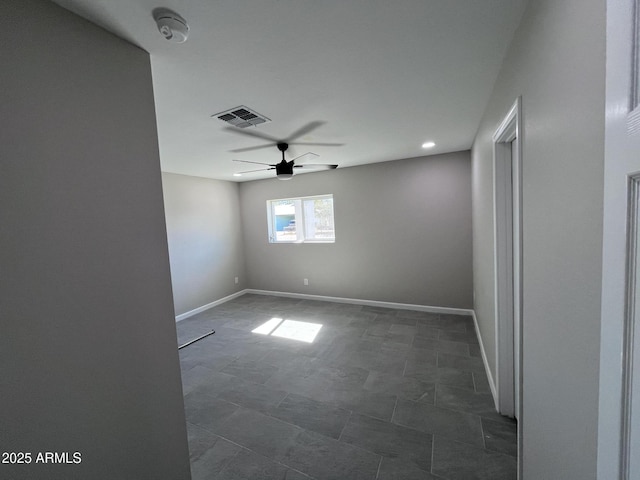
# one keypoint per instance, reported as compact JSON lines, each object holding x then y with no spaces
{"x":324,"y":298}
{"x":195,"y":311}
{"x":492,"y":384}
{"x":370,"y":303}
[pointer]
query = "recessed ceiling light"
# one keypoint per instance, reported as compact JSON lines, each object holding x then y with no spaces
{"x":237,"y":174}
{"x":428,"y":145}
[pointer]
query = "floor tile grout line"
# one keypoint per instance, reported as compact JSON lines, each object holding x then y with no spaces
{"x":263,"y":456}
{"x":379,"y":465}
{"x":486,"y":450}
{"x":484,"y":440}
{"x":451,"y":409}
{"x":429,"y":433}
{"x":358,"y":447}
{"x":283,"y":399}
{"x":269,"y":413}
{"x":393,"y":414}
{"x":433,"y":448}
{"x":228,"y":462}
{"x":345,"y":426}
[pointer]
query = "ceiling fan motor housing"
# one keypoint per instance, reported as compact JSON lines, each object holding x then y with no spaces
{"x":284,"y":169}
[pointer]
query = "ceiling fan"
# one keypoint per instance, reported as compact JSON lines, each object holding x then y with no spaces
{"x":284,"y":169}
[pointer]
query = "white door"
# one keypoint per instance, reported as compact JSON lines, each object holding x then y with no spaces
{"x":619,"y":409}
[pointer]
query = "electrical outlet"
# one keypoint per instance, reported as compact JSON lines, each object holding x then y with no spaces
{"x":237,"y":280}
{"x":305,"y":281}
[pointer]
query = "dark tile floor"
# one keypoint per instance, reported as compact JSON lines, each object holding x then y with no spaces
{"x":379,"y":394}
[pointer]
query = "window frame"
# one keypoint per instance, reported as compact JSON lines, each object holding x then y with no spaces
{"x":299,"y":219}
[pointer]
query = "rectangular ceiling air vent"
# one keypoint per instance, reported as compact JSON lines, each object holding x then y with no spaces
{"x":241,"y":117}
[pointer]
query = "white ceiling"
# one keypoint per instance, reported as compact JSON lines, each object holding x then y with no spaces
{"x":383,"y":76}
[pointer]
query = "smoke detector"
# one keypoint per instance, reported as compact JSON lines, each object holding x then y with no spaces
{"x":171,"y":25}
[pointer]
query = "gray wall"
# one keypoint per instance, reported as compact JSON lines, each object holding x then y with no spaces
{"x":205,"y":239}
{"x":88,"y":345}
{"x":403,"y":233}
{"x":556,"y":62}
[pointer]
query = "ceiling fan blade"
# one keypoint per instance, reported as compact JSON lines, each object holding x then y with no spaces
{"x":248,"y":149}
{"x":257,"y":163}
{"x":305,"y":156}
{"x":316,"y":166}
{"x":319,"y":144}
{"x":304,"y":130}
{"x":252,"y":133}
{"x":258,"y":170}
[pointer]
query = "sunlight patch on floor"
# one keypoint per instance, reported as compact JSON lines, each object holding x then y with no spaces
{"x":291,"y":329}
{"x":268,"y":327}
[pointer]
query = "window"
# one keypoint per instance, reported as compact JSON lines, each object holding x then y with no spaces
{"x":298,"y":220}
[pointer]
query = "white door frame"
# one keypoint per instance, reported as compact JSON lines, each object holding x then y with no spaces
{"x":507,"y":161}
